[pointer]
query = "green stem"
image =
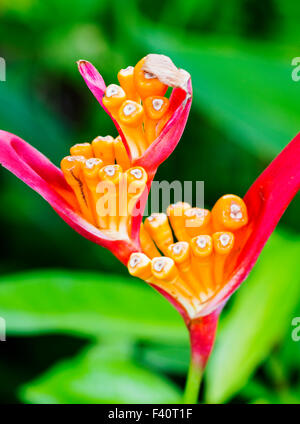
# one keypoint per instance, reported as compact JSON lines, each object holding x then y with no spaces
{"x":202,"y":335}
{"x":193,"y":382}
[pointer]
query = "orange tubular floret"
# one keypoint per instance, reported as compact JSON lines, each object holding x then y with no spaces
{"x":157,"y":225}
{"x":202,"y":248}
{"x":147,"y":84}
{"x":136,"y":178}
{"x":140,"y":88}
{"x":109,"y":176}
{"x":71,"y":167}
{"x":121,"y":154}
{"x":130,"y":118}
{"x":114,"y":97}
{"x":126,"y":80}
{"x":167,"y":277}
{"x":160,"y":272}
{"x":164,"y":268}
{"x":82,"y":149}
{"x":147,"y":243}
{"x":197,"y":221}
{"x":105,"y":193}
{"x":132,"y":184}
{"x":91,"y":170}
{"x":229,"y":213}
{"x":175,"y":213}
{"x":140,"y":266}
{"x":131,"y":114}
{"x":180,"y":252}
{"x":103,"y":148}
{"x":110,"y":173}
{"x":155,"y":108}
{"x":223,"y":245}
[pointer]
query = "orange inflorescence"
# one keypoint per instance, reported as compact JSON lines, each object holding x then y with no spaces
{"x":105,"y":186}
{"x":196,"y":244}
{"x":141,"y":110}
{"x":139,"y":107}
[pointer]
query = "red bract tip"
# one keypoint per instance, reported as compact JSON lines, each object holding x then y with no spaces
{"x":266,"y":200}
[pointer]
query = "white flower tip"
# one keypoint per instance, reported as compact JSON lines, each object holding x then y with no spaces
{"x":163,"y":68}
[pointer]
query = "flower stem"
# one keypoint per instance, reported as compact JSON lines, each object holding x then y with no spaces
{"x":202,"y":335}
{"x":193,"y":382}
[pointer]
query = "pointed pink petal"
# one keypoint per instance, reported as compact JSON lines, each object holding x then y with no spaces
{"x":41,"y":175}
{"x":97,"y":86}
{"x":266,"y":200}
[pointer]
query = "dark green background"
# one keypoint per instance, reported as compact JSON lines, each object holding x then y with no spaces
{"x":245,"y":110}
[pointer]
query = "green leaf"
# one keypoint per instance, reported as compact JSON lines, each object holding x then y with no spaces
{"x":180,"y":12}
{"x":25,"y":115}
{"x":169,"y":358}
{"x":65,"y":45}
{"x":260,"y":316}
{"x":246,"y":88}
{"x":87,"y":303}
{"x":100,"y":375}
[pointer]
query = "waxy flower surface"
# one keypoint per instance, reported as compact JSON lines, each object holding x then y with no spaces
{"x":214,"y":251}
{"x":88,"y":190}
{"x":195,"y":257}
{"x":149,"y":124}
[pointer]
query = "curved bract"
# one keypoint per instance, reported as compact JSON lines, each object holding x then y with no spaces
{"x":266,"y":201}
{"x":213,"y":252}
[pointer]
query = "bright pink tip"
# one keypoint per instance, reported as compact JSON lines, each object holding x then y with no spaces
{"x":266,"y":200}
{"x":35,"y":170}
{"x":92,"y":78}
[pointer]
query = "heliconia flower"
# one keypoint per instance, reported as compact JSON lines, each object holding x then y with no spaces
{"x":149,"y":124}
{"x":102,"y":187}
{"x":212,"y":252}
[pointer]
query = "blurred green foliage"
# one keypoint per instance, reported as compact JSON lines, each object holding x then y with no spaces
{"x":76,"y":333}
